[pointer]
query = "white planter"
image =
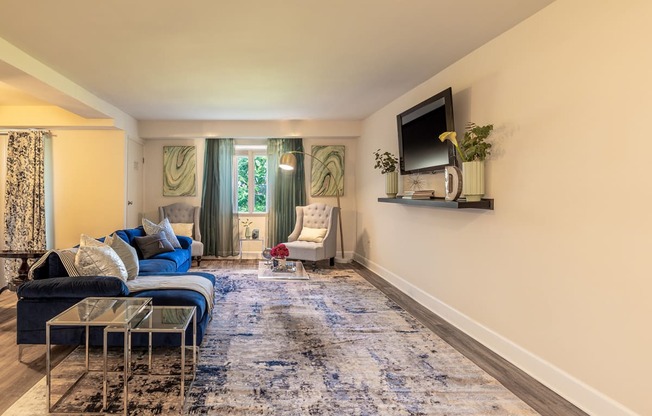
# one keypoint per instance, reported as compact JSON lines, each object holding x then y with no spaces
{"x":473,"y":180}
{"x":391,"y":184}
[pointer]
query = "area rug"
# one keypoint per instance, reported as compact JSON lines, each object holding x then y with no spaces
{"x":331,"y":345}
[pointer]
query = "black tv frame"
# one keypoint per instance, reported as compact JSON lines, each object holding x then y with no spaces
{"x":416,"y":112}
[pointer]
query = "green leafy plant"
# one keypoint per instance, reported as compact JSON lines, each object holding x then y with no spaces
{"x":473,"y":146}
{"x":385,"y":161}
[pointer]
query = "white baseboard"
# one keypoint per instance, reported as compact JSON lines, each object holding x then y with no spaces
{"x":575,"y":391}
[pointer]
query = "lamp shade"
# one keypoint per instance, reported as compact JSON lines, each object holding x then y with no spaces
{"x":288,"y":161}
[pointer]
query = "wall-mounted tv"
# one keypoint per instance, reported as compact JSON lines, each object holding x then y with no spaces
{"x":420,"y":149}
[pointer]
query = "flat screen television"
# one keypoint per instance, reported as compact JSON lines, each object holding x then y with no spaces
{"x":420,"y":150}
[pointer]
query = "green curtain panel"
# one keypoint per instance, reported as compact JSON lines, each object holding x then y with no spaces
{"x":287,"y":189}
{"x":24,"y":194}
{"x":219,"y":227}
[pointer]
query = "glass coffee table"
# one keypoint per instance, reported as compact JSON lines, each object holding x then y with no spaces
{"x":95,"y":312}
{"x":294,"y":271}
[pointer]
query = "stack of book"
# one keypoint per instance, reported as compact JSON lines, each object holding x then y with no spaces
{"x":421,"y":194}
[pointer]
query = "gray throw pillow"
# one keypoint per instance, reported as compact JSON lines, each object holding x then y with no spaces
{"x":154,"y":244}
{"x":127,"y":254}
{"x":151,"y":228}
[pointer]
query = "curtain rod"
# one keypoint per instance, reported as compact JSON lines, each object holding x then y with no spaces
{"x":6,"y":133}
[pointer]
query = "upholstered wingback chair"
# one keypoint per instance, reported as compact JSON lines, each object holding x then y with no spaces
{"x":315,"y":233}
{"x":182,"y":213}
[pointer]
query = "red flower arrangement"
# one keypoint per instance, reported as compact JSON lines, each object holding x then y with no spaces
{"x":280,"y":251}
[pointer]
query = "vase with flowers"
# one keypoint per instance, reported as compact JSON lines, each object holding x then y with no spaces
{"x":473,"y":150}
{"x":387,"y":162}
{"x":246,"y":223}
{"x":279,"y":254}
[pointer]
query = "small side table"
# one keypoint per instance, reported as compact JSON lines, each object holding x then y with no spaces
{"x":260,"y":240}
{"x":96,"y":312}
{"x":23,"y":271}
{"x":157,"y":320}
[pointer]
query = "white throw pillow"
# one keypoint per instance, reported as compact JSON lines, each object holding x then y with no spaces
{"x":151,"y":228}
{"x":99,"y":260}
{"x":127,"y":254}
{"x":315,"y":235}
{"x":182,"y":228}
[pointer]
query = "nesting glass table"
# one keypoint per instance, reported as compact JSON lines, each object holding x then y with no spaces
{"x":127,"y":316}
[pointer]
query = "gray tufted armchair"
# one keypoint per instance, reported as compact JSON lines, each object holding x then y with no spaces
{"x":185,"y":213}
{"x":314,"y":217}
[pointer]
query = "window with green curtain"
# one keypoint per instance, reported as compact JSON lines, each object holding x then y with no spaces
{"x":287,"y":189}
{"x":219,"y":225}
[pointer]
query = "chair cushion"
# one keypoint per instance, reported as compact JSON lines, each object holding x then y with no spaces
{"x":306,"y":250}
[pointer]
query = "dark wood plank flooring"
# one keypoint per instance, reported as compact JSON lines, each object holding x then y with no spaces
{"x":16,"y":378}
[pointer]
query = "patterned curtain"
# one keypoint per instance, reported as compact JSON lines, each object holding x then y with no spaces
{"x":24,"y":194}
{"x":287,"y":189}
{"x":218,"y":224}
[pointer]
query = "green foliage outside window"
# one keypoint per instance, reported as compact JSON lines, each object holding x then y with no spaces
{"x":260,"y":184}
{"x":243,"y":184}
{"x":258,"y":191}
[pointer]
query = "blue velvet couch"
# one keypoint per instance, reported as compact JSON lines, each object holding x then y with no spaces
{"x":52,"y":291}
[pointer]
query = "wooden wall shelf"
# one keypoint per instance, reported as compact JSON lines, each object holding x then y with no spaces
{"x":442,"y":203}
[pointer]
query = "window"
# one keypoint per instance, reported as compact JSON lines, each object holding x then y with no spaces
{"x":251,"y":179}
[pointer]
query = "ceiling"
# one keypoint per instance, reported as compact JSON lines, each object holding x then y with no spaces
{"x":252,"y":59}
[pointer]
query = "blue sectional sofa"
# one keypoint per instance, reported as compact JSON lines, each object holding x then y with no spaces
{"x":52,"y":291}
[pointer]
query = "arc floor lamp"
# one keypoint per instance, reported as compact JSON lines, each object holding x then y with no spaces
{"x":289,"y":162}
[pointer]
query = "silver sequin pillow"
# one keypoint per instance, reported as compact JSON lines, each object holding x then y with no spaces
{"x":95,"y":258}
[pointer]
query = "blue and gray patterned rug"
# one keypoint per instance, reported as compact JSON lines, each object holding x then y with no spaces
{"x":332,"y":345}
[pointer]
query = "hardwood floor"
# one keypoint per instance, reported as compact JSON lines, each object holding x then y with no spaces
{"x":16,"y":378}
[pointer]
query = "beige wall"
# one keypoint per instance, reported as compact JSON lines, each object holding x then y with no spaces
{"x":88,"y":184}
{"x":557,"y":278}
{"x":154,"y":198}
{"x":154,"y":182}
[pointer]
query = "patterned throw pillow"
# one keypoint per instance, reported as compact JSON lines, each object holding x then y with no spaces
{"x":127,"y":254}
{"x":95,"y":258}
{"x":151,"y":228}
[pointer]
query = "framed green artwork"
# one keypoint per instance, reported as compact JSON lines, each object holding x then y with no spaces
{"x":179,"y":171}
{"x":328,"y":176}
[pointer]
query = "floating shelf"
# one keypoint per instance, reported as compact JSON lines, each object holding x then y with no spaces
{"x":442,"y":203}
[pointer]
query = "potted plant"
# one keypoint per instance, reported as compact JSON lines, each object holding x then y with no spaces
{"x":386,"y":162}
{"x":473,"y":150}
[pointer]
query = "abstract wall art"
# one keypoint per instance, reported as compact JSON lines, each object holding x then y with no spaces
{"x":326,"y":178}
{"x":179,"y":171}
